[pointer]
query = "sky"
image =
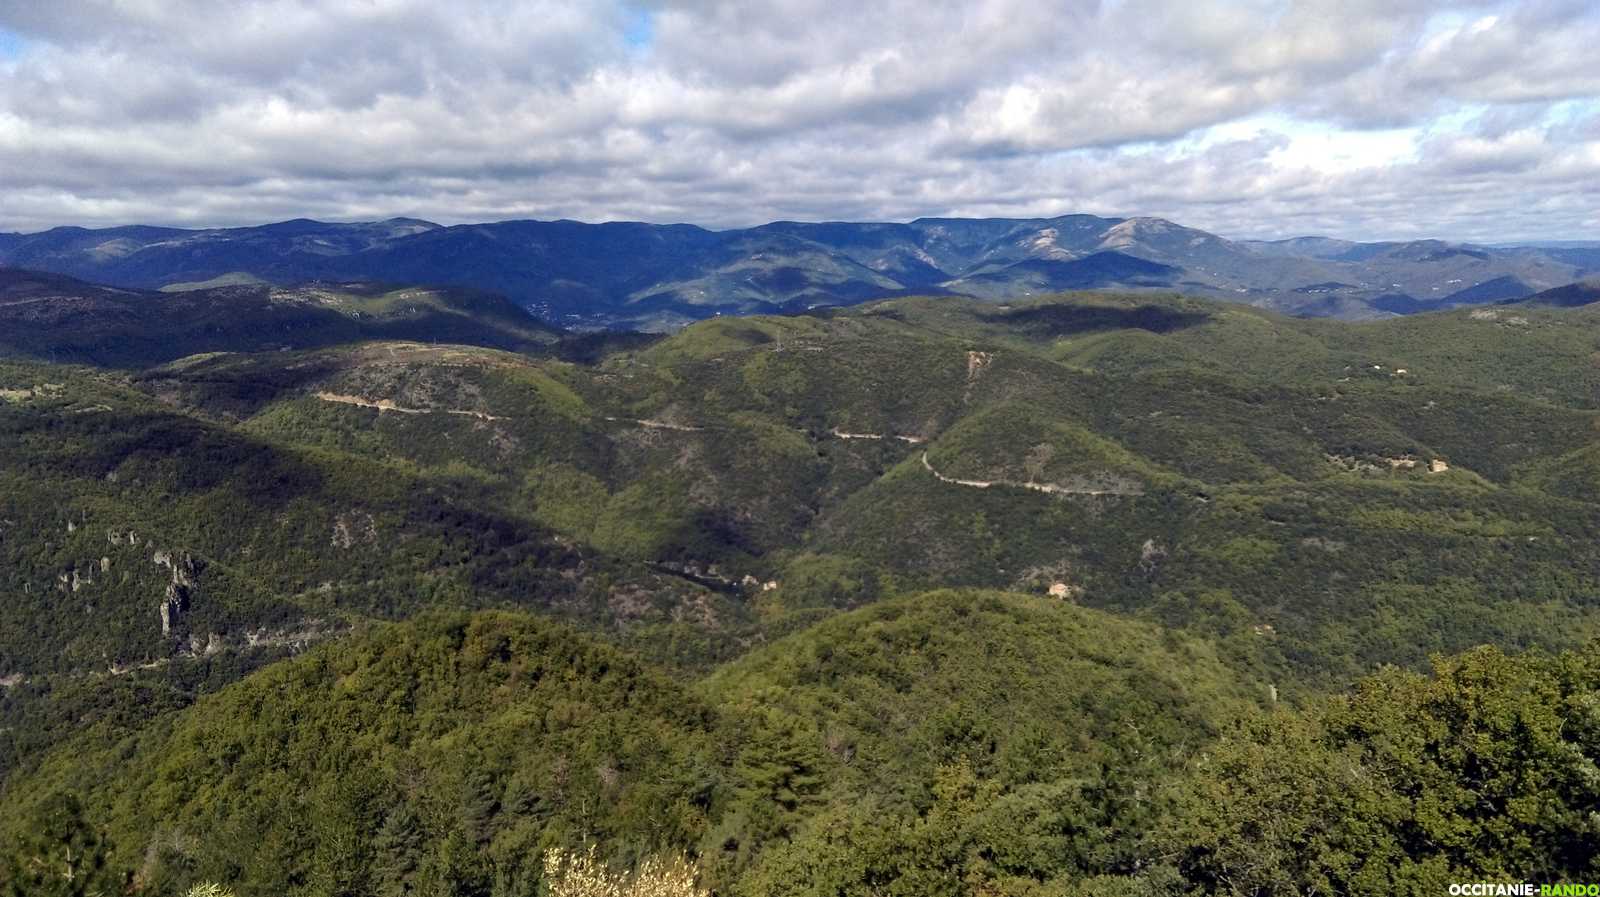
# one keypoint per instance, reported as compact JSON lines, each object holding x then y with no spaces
{"x":1361,"y":119}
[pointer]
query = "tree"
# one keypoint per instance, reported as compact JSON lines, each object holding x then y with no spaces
{"x":397,"y":852}
{"x":480,"y":803}
{"x":63,"y":856}
{"x":1485,"y":770}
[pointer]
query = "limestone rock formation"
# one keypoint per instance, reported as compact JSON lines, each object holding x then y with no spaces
{"x":180,"y":591}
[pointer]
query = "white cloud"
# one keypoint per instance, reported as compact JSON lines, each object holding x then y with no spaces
{"x":1363,"y":118}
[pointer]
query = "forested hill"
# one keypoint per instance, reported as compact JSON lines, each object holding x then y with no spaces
{"x":1090,"y":594}
{"x":887,"y":749}
{"x":66,"y":320}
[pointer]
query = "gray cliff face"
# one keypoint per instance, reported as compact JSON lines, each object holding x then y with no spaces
{"x":180,"y":591}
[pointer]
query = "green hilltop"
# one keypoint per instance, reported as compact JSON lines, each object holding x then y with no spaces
{"x":930,"y":744}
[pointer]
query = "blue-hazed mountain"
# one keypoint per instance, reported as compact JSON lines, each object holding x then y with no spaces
{"x":657,"y":276}
{"x":1584,"y":292}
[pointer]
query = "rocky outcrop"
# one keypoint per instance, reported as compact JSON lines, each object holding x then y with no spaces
{"x":977,"y":362}
{"x":181,"y":590}
{"x":117,"y":537}
{"x":212,"y":645}
{"x":311,"y":632}
{"x":1151,"y":554}
{"x":1404,"y":462}
{"x":354,"y":527}
{"x":76,"y":578}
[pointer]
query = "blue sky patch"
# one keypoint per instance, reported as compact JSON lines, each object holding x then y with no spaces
{"x":11,"y":44}
{"x":641,"y":29}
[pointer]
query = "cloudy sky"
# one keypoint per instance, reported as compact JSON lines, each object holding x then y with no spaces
{"x":1355,"y":118}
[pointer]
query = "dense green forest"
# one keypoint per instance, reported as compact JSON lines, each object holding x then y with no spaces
{"x":1090,"y":595}
{"x":942,"y":743}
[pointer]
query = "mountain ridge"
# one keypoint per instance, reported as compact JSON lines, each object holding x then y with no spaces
{"x":1583,"y":292}
{"x":660,"y":276}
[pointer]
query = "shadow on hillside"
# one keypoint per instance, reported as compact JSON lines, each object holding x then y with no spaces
{"x":593,"y":348}
{"x":174,"y":455}
{"x":147,"y":332}
{"x":1067,"y":320}
{"x":237,"y":387}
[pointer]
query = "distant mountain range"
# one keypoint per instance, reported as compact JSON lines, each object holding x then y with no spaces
{"x":659,"y":276}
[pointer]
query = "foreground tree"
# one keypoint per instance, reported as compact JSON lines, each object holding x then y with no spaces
{"x":62,"y":856}
{"x":1485,"y":770}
